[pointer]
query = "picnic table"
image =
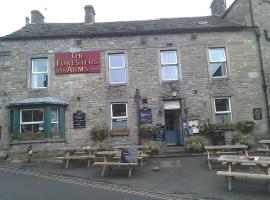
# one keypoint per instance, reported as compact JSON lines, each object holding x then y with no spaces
{"x":266,"y":148}
{"x":113,"y":158}
{"x":213,"y":152}
{"x":77,"y":153}
{"x":235,"y":161}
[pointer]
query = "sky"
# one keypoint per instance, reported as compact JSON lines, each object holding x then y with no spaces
{"x":13,"y":12}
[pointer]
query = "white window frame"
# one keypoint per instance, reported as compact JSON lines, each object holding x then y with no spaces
{"x":220,"y":61}
{"x":223,"y":112}
{"x":120,"y":117}
{"x":117,"y":68}
{"x":27,"y":123}
{"x":44,"y":72}
{"x":169,"y":64}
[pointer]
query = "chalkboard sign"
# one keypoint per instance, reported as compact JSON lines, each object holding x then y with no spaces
{"x":160,"y":133}
{"x":257,"y":113}
{"x":145,"y":116}
{"x":79,"y":119}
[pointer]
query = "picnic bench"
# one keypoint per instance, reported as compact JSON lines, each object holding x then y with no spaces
{"x":262,"y":162}
{"x":113,"y":158}
{"x":213,"y":152}
{"x":266,"y":146}
{"x":85,"y":153}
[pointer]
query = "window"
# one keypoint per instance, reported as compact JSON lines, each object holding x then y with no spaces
{"x":39,"y":73}
{"x":55,"y":124}
{"x":32,"y":121}
{"x":218,"y":62}
{"x":119,"y":115}
{"x":117,"y":68}
{"x":169,"y":65}
{"x":223,"y":112}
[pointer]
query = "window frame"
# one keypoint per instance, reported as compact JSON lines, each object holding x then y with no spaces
{"x":222,"y":61}
{"x":223,"y":112}
{"x":120,"y":117}
{"x":36,"y":73}
{"x":117,"y":68}
{"x":164,"y":65}
{"x":57,"y":117}
{"x":32,"y":122}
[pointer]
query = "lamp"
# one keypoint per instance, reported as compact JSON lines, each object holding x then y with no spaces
{"x":173,"y":90}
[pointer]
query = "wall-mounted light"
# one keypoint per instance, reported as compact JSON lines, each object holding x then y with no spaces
{"x":174,"y":91}
{"x":78,"y":98}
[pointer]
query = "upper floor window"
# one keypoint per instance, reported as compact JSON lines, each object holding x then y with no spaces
{"x":223,"y":113}
{"x":39,"y":73}
{"x":117,"y":68}
{"x":169,"y":65}
{"x":218,"y":62}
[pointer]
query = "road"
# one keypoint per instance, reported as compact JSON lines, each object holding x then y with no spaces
{"x":16,"y":186}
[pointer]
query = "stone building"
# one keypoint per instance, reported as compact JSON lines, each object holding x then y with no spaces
{"x":58,"y":80}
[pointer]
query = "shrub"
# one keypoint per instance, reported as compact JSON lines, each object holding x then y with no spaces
{"x":147,"y":131}
{"x":245,"y":126}
{"x":101,"y":146}
{"x":243,"y":139}
{"x":154,"y":146}
{"x":99,"y":132}
{"x":194,"y":144}
{"x":207,"y":126}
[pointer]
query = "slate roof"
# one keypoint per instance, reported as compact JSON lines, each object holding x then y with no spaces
{"x":38,"y":101}
{"x":123,"y":28}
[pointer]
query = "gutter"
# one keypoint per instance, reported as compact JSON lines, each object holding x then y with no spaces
{"x":264,"y":85}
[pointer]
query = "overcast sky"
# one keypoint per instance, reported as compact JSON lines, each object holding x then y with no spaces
{"x":13,"y":12}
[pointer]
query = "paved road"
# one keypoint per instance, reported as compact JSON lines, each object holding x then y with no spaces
{"x":23,"y":185}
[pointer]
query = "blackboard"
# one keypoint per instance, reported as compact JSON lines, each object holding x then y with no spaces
{"x":160,"y":133}
{"x":257,"y":113}
{"x":145,"y":116}
{"x":79,"y":119}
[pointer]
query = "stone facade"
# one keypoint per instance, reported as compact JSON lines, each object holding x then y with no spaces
{"x":196,"y":88}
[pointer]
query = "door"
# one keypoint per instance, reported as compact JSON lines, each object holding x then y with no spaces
{"x":170,"y":127}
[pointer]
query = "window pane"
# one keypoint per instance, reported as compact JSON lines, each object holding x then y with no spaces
{"x":118,"y":75}
{"x":39,"y":65}
{"x":119,"y":123}
{"x":222,"y":105}
{"x":218,"y":69}
{"x":223,"y":118}
{"x":38,"y":128}
{"x":169,"y":72}
{"x":27,"y":128}
{"x":39,"y":80}
{"x":116,"y":60}
{"x":168,"y":57}
{"x":27,"y":116}
{"x":217,"y":55}
{"x":55,"y":129}
{"x":37,"y":115}
{"x":119,"y":110}
{"x":54,"y":115}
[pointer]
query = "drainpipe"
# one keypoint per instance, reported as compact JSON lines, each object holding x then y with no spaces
{"x":137,"y":98}
{"x":264,"y":85}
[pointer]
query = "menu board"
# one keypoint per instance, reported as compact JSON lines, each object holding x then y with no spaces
{"x":145,"y":116}
{"x":160,"y":133}
{"x":79,"y":119}
{"x":257,"y":113}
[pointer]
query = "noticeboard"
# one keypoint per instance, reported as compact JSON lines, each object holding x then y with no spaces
{"x":78,"y":119}
{"x":145,"y":116}
{"x":160,"y":133}
{"x":257,"y":113}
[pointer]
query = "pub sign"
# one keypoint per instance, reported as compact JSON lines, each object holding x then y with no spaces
{"x":77,"y":62}
{"x":78,"y":120}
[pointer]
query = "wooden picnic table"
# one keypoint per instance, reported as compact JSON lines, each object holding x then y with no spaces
{"x":213,"y":152}
{"x":235,"y":161}
{"x":266,"y":148}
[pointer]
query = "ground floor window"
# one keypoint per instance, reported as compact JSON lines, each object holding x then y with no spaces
{"x":223,"y":113}
{"x":119,"y":119}
{"x":32,"y":120}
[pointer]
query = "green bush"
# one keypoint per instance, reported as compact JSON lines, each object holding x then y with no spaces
{"x":207,"y":126}
{"x":101,"y":146}
{"x":100,"y":131}
{"x":243,"y":139}
{"x":154,"y":146}
{"x":245,"y":126}
{"x":194,"y":144}
{"x":147,"y":131}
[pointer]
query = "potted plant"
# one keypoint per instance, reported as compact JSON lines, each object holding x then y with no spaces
{"x":147,"y":131}
{"x":194,"y":144}
{"x":243,"y":139}
{"x":100,"y":131}
{"x":206,"y":126}
{"x":154,"y":148}
{"x":245,"y":126}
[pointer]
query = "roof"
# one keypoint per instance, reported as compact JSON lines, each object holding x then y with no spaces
{"x":38,"y":101}
{"x":123,"y":28}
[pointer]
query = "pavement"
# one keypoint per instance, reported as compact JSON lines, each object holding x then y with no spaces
{"x":185,"y":177}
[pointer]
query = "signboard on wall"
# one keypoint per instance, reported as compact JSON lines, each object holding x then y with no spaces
{"x":257,"y":113}
{"x":77,"y":62}
{"x":145,"y":116}
{"x":78,"y":119}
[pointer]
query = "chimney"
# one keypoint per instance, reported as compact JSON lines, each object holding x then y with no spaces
{"x":36,"y":17}
{"x":27,"y":20}
{"x":218,"y":7}
{"x":89,"y":14}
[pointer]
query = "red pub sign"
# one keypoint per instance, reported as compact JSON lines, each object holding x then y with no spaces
{"x":77,"y":62}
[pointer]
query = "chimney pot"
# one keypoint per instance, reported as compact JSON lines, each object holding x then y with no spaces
{"x":89,"y":14}
{"x":218,"y":7}
{"x":27,"y":20}
{"x":36,"y":17}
